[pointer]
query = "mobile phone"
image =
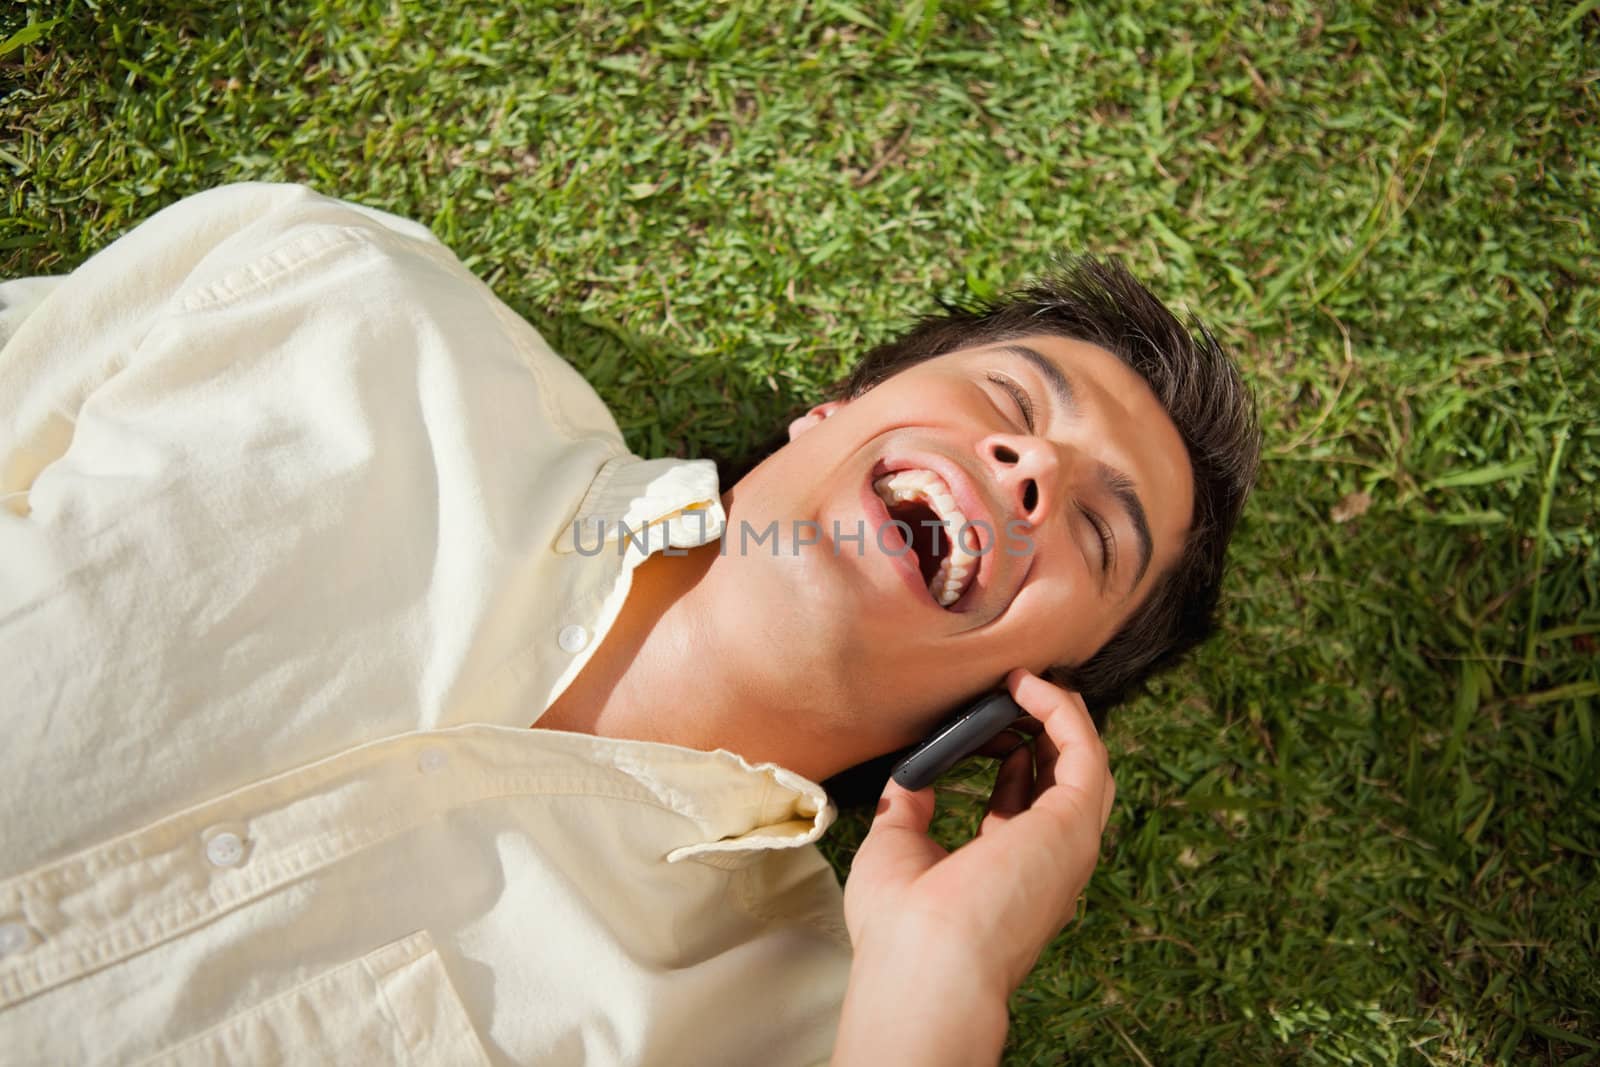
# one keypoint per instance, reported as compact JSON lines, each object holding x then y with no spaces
{"x":955,"y":739}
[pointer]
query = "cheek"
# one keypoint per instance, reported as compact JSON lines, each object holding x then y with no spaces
{"x":1060,"y":618}
{"x":931,"y":400}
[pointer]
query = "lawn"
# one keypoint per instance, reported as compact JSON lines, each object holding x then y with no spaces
{"x":1363,"y":826}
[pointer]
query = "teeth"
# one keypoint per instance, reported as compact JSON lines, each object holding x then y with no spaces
{"x":961,"y":563}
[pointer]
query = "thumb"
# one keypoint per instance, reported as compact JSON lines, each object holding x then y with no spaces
{"x":897,"y":847}
{"x":899,"y":809}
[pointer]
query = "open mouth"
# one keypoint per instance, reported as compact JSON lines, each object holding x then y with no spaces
{"x":945,"y":545}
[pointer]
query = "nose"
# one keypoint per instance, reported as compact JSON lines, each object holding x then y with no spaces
{"x":1028,"y":470}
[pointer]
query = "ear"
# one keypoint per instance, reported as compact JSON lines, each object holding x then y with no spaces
{"x":812,"y":417}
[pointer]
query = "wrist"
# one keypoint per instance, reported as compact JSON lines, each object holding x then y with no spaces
{"x":915,"y":997}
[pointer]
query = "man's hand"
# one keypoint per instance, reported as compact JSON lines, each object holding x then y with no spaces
{"x":942,"y":938}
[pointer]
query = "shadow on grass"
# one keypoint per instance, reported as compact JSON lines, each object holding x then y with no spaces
{"x":657,"y":392}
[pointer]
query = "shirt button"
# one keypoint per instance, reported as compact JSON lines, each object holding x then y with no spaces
{"x":572,"y":638}
{"x":432,"y":760}
{"x":225,"y":850}
{"x":14,"y":937}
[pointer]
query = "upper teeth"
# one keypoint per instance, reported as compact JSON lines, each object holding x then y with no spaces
{"x":957,"y":568}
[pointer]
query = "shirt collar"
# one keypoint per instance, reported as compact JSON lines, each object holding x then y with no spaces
{"x":655,"y":503}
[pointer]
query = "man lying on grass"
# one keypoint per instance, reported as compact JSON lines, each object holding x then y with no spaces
{"x":303,"y":529}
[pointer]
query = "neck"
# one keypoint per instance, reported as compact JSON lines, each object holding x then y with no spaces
{"x":666,"y":672}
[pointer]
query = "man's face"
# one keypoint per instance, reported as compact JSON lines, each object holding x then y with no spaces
{"x":1075,"y":486}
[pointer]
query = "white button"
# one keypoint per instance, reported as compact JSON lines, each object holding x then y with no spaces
{"x":225,"y":850}
{"x":431,"y":760}
{"x":14,"y":937}
{"x":572,"y":638}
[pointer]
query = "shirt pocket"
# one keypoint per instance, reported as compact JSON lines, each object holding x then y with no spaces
{"x":393,"y":1005}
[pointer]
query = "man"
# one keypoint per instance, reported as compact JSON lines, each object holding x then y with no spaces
{"x":303,"y":529}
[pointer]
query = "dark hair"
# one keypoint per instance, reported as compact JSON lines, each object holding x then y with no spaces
{"x":1096,"y":300}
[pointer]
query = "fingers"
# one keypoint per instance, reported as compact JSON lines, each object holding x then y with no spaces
{"x":1045,"y":755}
{"x":1064,"y":715}
{"x":1070,"y":752}
{"x":1067,"y":724}
{"x":1013,"y":788}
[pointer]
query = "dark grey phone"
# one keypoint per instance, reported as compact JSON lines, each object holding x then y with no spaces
{"x":955,"y":739}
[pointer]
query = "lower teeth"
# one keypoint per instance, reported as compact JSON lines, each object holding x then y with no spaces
{"x":945,"y":588}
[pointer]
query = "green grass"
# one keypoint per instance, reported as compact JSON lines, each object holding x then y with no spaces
{"x":1363,"y":826}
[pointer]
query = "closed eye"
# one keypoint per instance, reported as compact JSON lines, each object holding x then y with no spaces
{"x":1018,"y":394}
{"x":1108,"y":545}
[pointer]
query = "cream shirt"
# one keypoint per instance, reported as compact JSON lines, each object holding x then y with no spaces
{"x":299,"y":534}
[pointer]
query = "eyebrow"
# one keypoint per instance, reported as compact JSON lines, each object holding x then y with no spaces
{"x":1121,"y":488}
{"x":1118,"y":484}
{"x":1052,"y":375}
